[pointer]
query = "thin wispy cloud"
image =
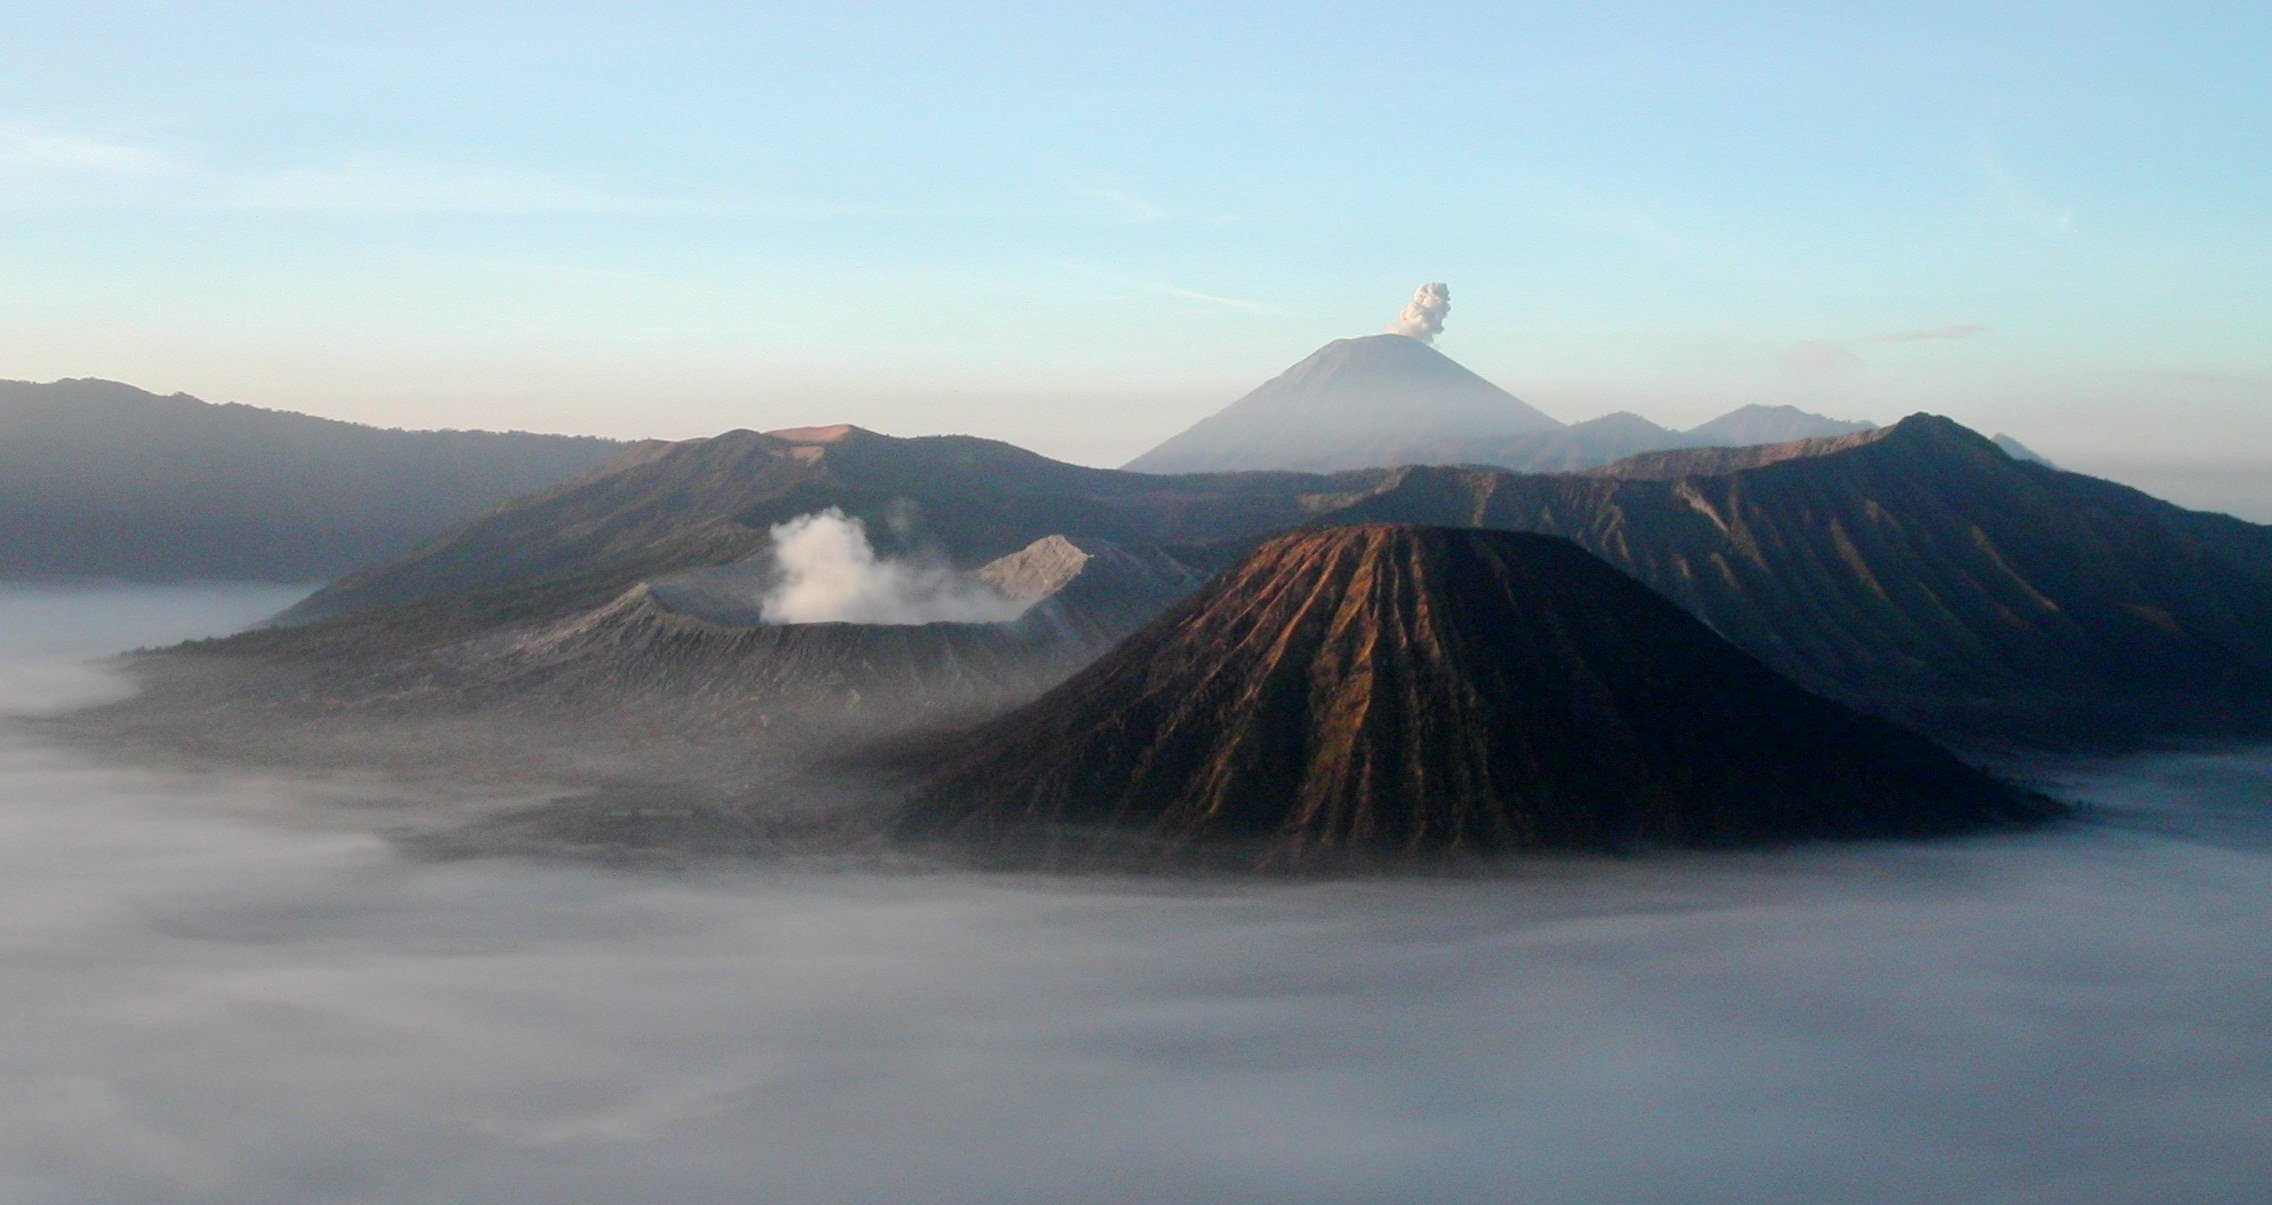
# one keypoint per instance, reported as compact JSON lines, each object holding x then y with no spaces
{"x":32,"y":148}
{"x":1124,"y":208}
{"x":1947,"y":330}
{"x":2018,"y":198}
{"x":1161,"y":288}
{"x":1819,"y":369}
{"x":47,"y":169}
{"x":1229,"y":303}
{"x":2253,"y":381}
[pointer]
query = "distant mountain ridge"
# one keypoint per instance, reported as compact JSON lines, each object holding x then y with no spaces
{"x":1761,"y":424}
{"x":1915,"y":570}
{"x":1387,"y":400}
{"x":103,"y":480}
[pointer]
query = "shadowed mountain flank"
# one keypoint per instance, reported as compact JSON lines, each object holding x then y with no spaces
{"x":1354,"y":403}
{"x":1406,"y":690}
{"x":1921,"y":572}
{"x":1667,"y":464}
{"x":102,"y":480}
{"x":1625,"y":437}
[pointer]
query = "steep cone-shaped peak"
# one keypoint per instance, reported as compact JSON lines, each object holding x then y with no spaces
{"x":1408,"y":689}
{"x":1354,"y":403}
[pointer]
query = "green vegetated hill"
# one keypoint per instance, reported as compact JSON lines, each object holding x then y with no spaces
{"x":1404,"y":690}
{"x":102,"y":480}
{"x":1917,"y":570}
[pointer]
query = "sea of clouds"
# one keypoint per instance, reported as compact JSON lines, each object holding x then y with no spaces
{"x":226,"y":986}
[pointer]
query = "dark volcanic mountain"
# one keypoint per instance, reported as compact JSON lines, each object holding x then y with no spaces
{"x":1914,"y":570}
{"x":1354,"y":403}
{"x":1402,"y":689}
{"x":102,"y":480}
{"x":1920,"y":572}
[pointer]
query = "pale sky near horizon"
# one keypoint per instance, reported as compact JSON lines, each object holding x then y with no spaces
{"x":1081,"y":230}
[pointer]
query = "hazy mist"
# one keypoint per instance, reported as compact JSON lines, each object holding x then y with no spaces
{"x":230,"y":987}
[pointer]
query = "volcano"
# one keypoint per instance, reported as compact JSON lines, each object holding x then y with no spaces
{"x":1404,"y":690}
{"x":1354,"y":403}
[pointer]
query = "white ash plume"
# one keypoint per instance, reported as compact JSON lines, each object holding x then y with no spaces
{"x":1423,"y":316}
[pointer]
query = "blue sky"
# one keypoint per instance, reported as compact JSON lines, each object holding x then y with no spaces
{"x":1081,"y":230}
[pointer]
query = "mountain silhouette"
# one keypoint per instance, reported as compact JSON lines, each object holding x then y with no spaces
{"x":103,"y":480}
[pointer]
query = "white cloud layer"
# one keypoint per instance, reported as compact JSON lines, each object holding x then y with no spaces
{"x":222,"y":989}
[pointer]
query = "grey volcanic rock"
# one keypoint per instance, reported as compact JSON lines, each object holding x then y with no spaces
{"x":1411,"y":690}
{"x":697,"y":647}
{"x":1354,"y":403}
{"x":102,"y":480}
{"x":1092,"y":588}
{"x":638,"y":653}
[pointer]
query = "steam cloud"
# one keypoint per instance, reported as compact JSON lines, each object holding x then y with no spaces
{"x":827,"y":572}
{"x":1423,"y":316}
{"x":221,"y":989}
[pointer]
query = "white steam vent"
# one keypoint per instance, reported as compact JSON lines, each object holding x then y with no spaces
{"x":825,"y":571}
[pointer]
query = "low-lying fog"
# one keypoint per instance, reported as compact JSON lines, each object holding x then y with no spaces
{"x":221,"y":987}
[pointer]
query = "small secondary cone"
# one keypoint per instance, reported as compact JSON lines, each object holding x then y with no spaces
{"x":1392,"y":689}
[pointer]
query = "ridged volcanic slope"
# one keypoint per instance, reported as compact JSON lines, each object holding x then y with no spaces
{"x":1393,"y":688}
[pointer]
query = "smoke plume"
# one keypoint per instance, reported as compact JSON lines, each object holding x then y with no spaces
{"x":825,"y":571}
{"x":1423,"y":316}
